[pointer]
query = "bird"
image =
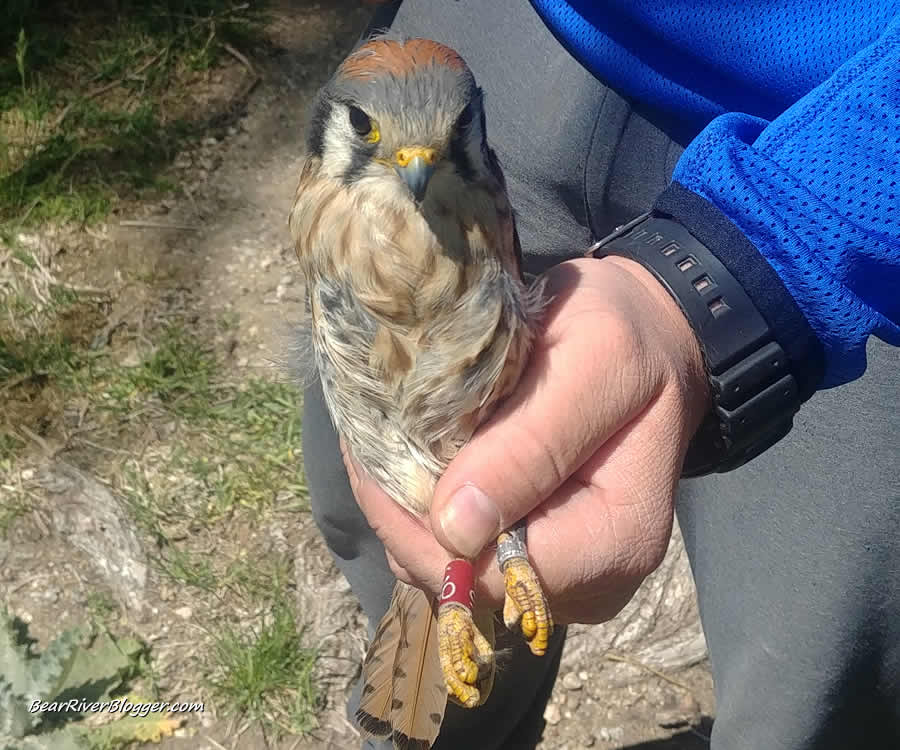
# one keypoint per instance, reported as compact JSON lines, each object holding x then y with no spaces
{"x":421,"y":323}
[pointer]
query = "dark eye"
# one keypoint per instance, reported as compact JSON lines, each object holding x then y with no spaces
{"x":465,"y":117}
{"x":360,"y":121}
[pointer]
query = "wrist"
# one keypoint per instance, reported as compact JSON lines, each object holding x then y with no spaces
{"x":753,"y":389}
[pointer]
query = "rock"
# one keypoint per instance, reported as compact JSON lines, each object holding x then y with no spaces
{"x":90,"y":517}
{"x":184,"y":612}
{"x":611,"y":734}
{"x":552,"y":714}
{"x":571,"y":681}
{"x":680,"y":713}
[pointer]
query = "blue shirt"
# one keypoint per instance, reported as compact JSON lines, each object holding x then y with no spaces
{"x":799,"y":105}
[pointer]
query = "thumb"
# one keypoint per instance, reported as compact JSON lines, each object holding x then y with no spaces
{"x":569,"y":401}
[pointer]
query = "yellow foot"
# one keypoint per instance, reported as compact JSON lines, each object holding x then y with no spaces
{"x":525,"y":606}
{"x":466,"y":655}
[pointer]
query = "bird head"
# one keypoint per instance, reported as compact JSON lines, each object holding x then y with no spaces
{"x":403,"y":110}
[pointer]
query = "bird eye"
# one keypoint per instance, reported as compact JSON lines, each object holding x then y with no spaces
{"x":360,"y":121}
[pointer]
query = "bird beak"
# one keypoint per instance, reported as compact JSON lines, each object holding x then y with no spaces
{"x":416,"y":165}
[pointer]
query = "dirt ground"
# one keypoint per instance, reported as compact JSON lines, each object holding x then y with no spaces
{"x":221,"y":250}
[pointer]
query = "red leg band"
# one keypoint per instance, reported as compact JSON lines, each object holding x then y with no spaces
{"x":459,"y":584}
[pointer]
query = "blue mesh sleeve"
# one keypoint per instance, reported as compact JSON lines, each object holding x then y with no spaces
{"x":817,"y":193}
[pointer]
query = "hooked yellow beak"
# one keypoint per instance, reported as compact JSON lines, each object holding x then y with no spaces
{"x":416,"y":165}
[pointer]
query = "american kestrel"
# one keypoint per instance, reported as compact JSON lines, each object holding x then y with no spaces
{"x":421,"y":323}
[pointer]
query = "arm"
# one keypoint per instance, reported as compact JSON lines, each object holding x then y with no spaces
{"x":804,"y":212}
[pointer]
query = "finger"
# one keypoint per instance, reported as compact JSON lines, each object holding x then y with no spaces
{"x":412,"y":552}
{"x":400,"y":573}
{"x":586,"y":378}
{"x":614,"y":517}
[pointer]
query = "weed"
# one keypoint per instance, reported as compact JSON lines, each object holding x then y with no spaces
{"x":77,"y":666}
{"x":101,"y":607}
{"x":267,"y":673}
{"x":13,"y":504}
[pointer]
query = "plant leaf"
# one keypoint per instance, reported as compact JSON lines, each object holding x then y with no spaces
{"x":150,"y":728}
{"x":99,"y":668}
{"x":14,"y":657}
{"x":15,"y":718}
{"x":50,"y":672}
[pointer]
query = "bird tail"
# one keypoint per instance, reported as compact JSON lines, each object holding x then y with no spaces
{"x":404,"y":693}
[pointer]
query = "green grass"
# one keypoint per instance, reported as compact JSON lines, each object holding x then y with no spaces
{"x":243,"y":440}
{"x":266,"y":673}
{"x":101,"y":607}
{"x":13,"y":505}
{"x":91,"y":101}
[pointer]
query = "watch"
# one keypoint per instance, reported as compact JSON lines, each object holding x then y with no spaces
{"x":754,"y":394}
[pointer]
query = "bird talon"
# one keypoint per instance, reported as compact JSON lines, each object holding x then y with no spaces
{"x":525,"y":607}
{"x":464,"y":652}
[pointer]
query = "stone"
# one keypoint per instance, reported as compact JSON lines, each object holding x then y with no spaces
{"x":611,"y":734}
{"x":90,"y":517}
{"x":571,"y":681}
{"x":184,"y":612}
{"x":552,"y":714}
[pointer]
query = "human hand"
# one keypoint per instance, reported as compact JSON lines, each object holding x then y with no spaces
{"x":589,"y":447}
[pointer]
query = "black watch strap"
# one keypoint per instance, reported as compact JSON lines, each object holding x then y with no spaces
{"x":754,"y":394}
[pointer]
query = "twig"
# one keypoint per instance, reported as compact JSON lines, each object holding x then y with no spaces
{"x":35,"y":438}
{"x":13,"y":382}
{"x":240,"y":58}
{"x":85,"y":441}
{"x":635,"y":663}
{"x":23,"y":584}
{"x":150,"y":224}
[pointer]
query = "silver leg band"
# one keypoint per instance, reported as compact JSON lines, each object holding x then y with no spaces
{"x":513,"y":545}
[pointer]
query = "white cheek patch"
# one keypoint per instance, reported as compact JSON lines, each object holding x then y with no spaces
{"x":336,"y":150}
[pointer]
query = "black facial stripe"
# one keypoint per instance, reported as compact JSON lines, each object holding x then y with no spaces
{"x":360,"y":156}
{"x":315,"y":139}
{"x":461,"y":131}
{"x":493,"y":164}
{"x":460,"y":158}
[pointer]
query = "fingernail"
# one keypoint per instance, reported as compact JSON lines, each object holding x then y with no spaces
{"x":470,"y":520}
